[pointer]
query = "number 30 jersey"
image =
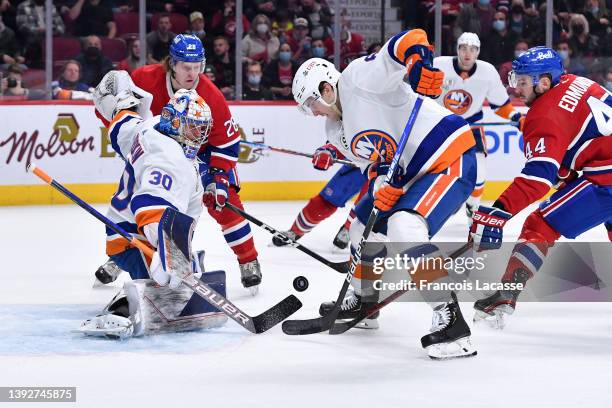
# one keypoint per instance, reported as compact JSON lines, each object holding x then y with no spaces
{"x":565,"y":128}
{"x":157,"y":175}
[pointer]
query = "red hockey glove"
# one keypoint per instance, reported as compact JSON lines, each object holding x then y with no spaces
{"x":216,"y":189}
{"x":324,"y":157}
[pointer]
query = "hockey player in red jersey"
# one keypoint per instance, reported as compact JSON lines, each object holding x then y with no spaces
{"x":566,"y":148}
{"x":218,"y":156}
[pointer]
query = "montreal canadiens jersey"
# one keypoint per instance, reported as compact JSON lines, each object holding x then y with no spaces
{"x":465,"y":93}
{"x":567,"y":127}
{"x":376,"y":103}
{"x":157,"y":175}
{"x":223,"y":145}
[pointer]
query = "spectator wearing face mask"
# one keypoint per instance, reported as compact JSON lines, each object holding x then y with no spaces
{"x":260,"y":44}
{"x":318,"y":49}
{"x":68,"y":86}
{"x":499,"y":45}
{"x":518,"y":21}
{"x":299,"y":40}
{"x":521,"y":46}
{"x":279,"y":73}
{"x":93,"y":63}
{"x":253,"y":89}
{"x":571,"y":65}
{"x":584,"y":44}
{"x":476,"y":17}
{"x":132,"y":61}
{"x":596,"y":14}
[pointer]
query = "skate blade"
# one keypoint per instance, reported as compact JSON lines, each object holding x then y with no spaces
{"x":496,"y":321}
{"x":457,"y":349}
{"x":368,"y":324}
{"x":253,"y":290}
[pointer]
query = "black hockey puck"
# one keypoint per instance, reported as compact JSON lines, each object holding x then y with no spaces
{"x":300,"y":283}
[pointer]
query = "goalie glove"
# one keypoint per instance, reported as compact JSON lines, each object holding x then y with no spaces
{"x":116,"y":92}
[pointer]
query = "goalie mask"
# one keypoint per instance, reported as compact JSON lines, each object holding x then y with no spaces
{"x":188,"y":120}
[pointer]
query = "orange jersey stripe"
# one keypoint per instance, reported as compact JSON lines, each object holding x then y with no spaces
{"x":120,"y":116}
{"x":431,"y":272}
{"x":435,"y":191}
{"x":118,"y":245}
{"x":477,"y":192}
{"x":148,"y":216}
{"x":460,"y":145}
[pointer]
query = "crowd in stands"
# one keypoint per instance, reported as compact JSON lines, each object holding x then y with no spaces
{"x":93,"y":36}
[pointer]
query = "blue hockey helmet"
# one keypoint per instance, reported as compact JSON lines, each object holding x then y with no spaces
{"x":535,"y":62}
{"x":187,"y":48}
{"x":187,"y":119}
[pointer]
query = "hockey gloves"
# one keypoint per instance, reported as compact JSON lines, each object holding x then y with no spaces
{"x":324,"y":157}
{"x":422,"y":76}
{"x":487,"y":230}
{"x":216,"y":190}
{"x":519,"y":119}
{"x":385,"y":194}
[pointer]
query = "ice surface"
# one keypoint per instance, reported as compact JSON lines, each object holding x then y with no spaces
{"x":549,"y":355}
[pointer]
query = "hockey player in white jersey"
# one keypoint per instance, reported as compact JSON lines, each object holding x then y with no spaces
{"x":468,"y":82}
{"x":371,"y":101}
{"x":160,"y":172}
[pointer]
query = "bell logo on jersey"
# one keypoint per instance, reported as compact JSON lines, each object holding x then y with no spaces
{"x":374,"y":145}
{"x":458,"y":101}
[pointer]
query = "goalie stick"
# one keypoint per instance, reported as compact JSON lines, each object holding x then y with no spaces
{"x":317,"y":325}
{"x":263,"y":146}
{"x":254,"y":324}
{"x":341,"y":267}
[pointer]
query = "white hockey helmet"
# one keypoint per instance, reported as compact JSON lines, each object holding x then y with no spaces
{"x":469,"y":39}
{"x":308,"y":79}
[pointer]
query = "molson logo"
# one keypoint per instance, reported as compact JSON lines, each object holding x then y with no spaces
{"x":458,"y":101}
{"x":374,"y":145}
{"x":63,"y":141}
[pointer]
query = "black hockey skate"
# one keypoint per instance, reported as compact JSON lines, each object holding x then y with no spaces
{"x":107,"y":273}
{"x":351,"y":308}
{"x":341,"y":240}
{"x":450,"y":334}
{"x":279,"y":241}
{"x":250,"y":276}
{"x":493,"y":309}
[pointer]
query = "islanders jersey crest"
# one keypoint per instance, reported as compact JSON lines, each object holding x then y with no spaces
{"x":458,"y":101}
{"x":374,"y":145}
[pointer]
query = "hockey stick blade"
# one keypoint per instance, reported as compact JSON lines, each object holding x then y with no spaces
{"x":276,"y":314}
{"x":341,"y":327}
{"x":309,"y":326}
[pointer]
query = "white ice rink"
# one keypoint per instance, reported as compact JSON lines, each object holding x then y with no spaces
{"x":550,"y":355}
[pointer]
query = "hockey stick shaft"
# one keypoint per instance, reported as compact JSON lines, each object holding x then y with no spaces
{"x":511,"y":123}
{"x":257,"y":324}
{"x":288,"y":151}
{"x":356,"y":258}
{"x":337,"y":266}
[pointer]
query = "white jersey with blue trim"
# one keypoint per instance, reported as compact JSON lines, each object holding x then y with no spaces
{"x":376,"y":103}
{"x":465,"y":93}
{"x":157,"y":175}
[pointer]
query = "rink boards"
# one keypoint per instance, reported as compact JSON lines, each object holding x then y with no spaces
{"x":71,"y":144}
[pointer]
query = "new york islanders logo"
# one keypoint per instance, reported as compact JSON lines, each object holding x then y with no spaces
{"x":458,"y":101}
{"x":373,"y":145}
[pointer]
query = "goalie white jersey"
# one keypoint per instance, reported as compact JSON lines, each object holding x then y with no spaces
{"x":376,"y":103}
{"x":157,"y":175}
{"x":465,"y":93}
